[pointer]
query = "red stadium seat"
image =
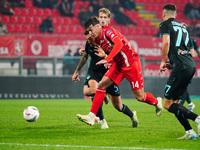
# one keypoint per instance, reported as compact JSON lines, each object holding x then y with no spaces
{"x":55,"y":12}
{"x":124,"y":30}
{"x":37,"y":20}
{"x":64,"y":29}
{"x":32,"y":11}
{"x":33,"y":28}
{"x":54,"y":20}
{"x":29,"y":19}
{"x":47,"y":12}
{"x":72,"y":29}
{"x":26,"y":28}
{"x":140,"y":22}
{"x":147,"y":22}
{"x":75,"y":20}
{"x":6,"y":19}
{"x":17,"y":11}
{"x":13,"y":19}
{"x":10,"y":27}
{"x":80,"y":30}
{"x":57,"y":29}
{"x":67,"y":20}
{"x":139,"y":31}
{"x":131,"y":30}
{"x":24,"y":11}
{"x":60,"y":20}
{"x":18,"y":28}
{"x":40,"y":12}
{"x":28,"y":3}
{"x":21,"y":19}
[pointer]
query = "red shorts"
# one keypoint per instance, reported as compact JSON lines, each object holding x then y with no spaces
{"x":133,"y":74}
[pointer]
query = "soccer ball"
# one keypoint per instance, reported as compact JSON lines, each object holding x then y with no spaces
{"x":31,"y":113}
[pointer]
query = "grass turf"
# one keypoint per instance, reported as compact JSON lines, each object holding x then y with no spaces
{"x":58,"y":127}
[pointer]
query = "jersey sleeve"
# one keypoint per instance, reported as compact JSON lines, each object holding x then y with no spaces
{"x":113,"y":36}
{"x":164,"y":29}
{"x":87,"y":47}
{"x":196,"y":46}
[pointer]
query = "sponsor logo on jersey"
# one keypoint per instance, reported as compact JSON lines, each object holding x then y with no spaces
{"x":109,"y":32}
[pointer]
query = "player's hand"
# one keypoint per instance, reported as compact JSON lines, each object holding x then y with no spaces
{"x":99,"y":51}
{"x":75,"y":77}
{"x":107,"y":65}
{"x":168,"y":65}
{"x":103,"y":61}
{"x":81,"y":51}
{"x":162,"y":66}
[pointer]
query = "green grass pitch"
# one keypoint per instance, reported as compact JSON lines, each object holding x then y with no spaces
{"x":59,"y":128}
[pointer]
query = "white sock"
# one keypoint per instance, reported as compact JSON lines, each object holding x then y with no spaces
{"x":197,"y":120}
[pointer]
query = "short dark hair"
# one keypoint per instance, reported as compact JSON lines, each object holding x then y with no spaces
{"x":171,"y":7}
{"x":91,"y":21}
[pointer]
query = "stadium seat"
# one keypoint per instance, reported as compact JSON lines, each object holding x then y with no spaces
{"x":33,"y":28}
{"x":32,"y":11}
{"x":60,"y":20}
{"x":131,"y":30}
{"x":26,"y":28}
{"x":37,"y":20}
{"x":72,"y":29}
{"x":140,"y":22}
{"x":67,"y":21}
{"x":139,"y":31}
{"x":64,"y":29}
{"x":124,"y":30}
{"x":13,"y":19}
{"x":6,"y":19}
{"x":54,"y":19}
{"x":29,"y":19}
{"x":18,"y":28}
{"x":47,"y":12}
{"x":40,"y":12}
{"x":147,"y":22}
{"x":24,"y":11}
{"x":57,"y":29}
{"x":17,"y":11}
{"x":80,"y":29}
{"x":22,"y":19}
{"x":55,"y":12}
{"x":75,"y":20}
{"x":10,"y":28}
{"x":28,"y":3}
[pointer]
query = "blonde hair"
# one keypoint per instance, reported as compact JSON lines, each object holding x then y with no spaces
{"x":106,"y":11}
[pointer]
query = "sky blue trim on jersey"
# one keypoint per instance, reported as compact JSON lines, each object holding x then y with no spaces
{"x":197,"y":49}
{"x":110,"y":30}
{"x":165,"y":33}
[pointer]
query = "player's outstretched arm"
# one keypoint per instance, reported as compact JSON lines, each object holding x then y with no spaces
{"x":82,"y":62}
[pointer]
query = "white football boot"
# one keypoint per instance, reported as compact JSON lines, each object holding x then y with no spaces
{"x":134,"y":119}
{"x":159,"y":107}
{"x":104,"y":124}
{"x":89,"y":119}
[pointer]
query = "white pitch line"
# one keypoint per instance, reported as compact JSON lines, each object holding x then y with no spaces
{"x":82,"y":146}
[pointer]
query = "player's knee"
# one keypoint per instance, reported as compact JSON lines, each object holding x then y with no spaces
{"x":140,"y":98}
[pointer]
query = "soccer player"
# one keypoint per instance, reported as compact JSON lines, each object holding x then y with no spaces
{"x":175,"y":45}
{"x":186,"y":96}
{"x":96,"y":72}
{"x":126,"y":64}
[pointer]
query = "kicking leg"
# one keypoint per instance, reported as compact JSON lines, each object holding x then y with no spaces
{"x":148,"y":98}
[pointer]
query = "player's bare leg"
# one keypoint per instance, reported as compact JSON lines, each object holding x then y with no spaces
{"x":148,"y":98}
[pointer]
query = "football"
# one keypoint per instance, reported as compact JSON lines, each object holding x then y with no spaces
{"x":31,"y":113}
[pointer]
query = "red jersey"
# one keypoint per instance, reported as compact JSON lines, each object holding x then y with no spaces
{"x":124,"y":55}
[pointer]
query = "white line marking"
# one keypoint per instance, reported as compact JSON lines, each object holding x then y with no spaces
{"x":82,"y":146}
